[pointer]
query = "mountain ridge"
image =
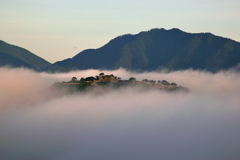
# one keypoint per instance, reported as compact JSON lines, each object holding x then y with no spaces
{"x":150,"y":50}
{"x":155,"y":49}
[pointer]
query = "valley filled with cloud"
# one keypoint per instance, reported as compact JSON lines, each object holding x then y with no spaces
{"x":39,"y":122}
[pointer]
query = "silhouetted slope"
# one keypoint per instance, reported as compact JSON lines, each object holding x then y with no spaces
{"x":159,"y":48}
{"x":8,"y":60}
{"x":23,"y":55}
{"x":105,"y":57}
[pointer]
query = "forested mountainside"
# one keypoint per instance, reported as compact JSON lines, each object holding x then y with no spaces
{"x":159,"y":48}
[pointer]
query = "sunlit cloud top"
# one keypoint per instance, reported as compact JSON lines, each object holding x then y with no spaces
{"x":38,"y":122}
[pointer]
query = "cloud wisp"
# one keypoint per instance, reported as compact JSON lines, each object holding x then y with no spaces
{"x":39,"y":123}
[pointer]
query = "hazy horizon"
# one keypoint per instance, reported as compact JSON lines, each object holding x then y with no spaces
{"x":40,"y":123}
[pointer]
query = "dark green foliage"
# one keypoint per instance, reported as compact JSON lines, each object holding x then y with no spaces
{"x":103,"y":83}
{"x":151,"y":81}
{"x":164,"y":82}
{"x":16,"y":56}
{"x":159,"y":48}
{"x":74,"y":79}
{"x":90,"y":79}
{"x":132,"y":79}
{"x":82,"y":80}
{"x":84,"y":85}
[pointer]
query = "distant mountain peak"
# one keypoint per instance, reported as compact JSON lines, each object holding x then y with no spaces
{"x":155,"y":49}
{"x":175,"y":30}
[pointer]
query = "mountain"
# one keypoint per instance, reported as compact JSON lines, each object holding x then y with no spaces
{"x":8,"y":60}
{"x":159,"y":48}
{"x":15,"y":56}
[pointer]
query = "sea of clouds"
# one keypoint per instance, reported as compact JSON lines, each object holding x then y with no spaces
{"x":41,"y":123}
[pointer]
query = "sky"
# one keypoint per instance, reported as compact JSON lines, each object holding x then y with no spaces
{"x":59,"y":29}
{"x":38,"y":122}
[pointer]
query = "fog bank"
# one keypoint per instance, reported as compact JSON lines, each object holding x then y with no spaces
{"x":37,"y":122}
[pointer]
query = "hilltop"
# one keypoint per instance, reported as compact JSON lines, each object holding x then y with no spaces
{"x":114,"y":82}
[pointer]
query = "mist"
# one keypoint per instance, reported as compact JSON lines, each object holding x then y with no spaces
{"x":39,"y":122}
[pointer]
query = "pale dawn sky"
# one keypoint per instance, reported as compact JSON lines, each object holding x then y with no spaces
{"x":59,"y":29}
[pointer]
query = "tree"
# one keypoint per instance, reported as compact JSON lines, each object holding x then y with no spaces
{"x":165,"y":82}
{"x":74,"y":79}
{"x":132,"y":79}
{"x":82,"y":80}
{"x":152,"y":81}
{"x":84,"y":85}
{"x":101,"y":74}
{"x":89,"y":79}
{"x":174,"y":84}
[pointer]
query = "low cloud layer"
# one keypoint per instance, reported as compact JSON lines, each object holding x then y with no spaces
{"x":37,"y":122}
